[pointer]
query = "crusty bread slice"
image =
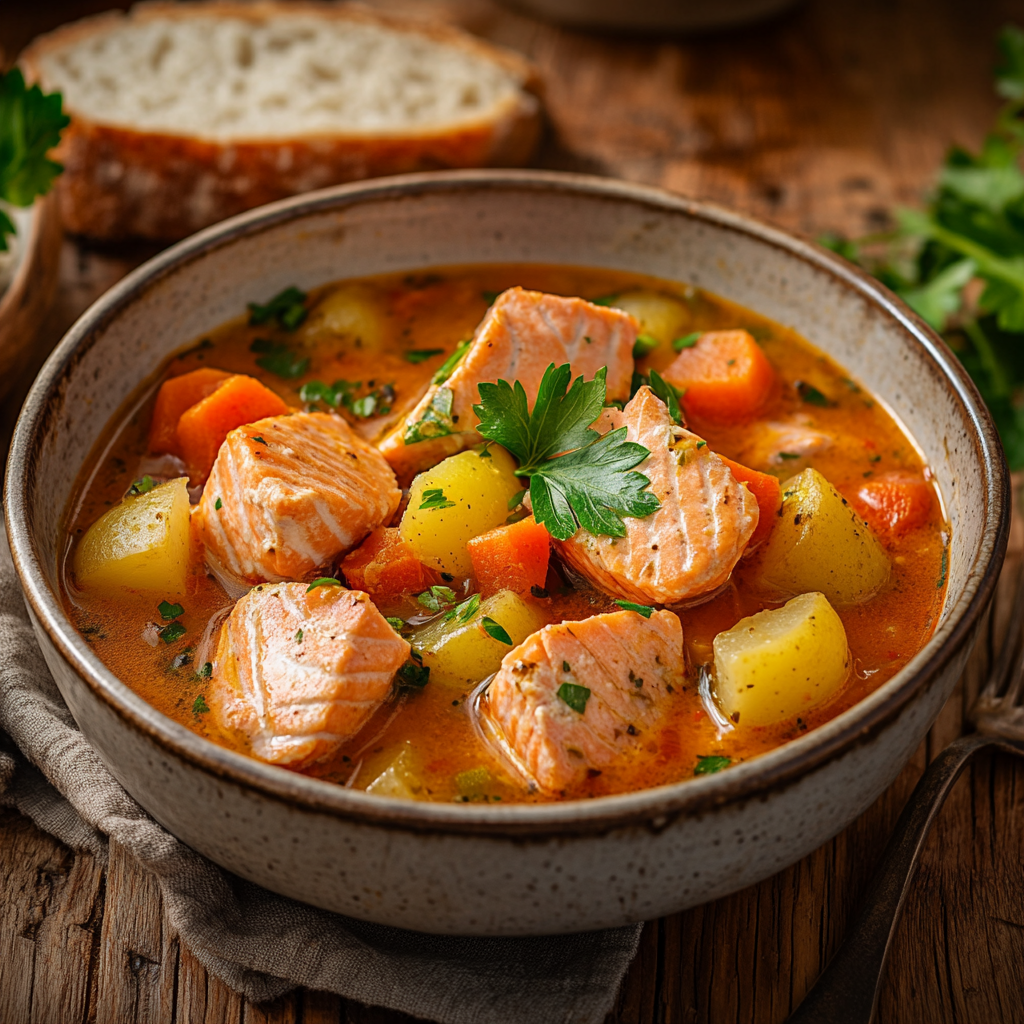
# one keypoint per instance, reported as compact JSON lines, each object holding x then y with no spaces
{"x":186,"y":113}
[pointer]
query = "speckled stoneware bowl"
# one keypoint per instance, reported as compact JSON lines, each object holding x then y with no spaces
{"x":511,"y":869}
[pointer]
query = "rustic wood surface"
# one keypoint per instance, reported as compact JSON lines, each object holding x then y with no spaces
{"x":821,"y":120}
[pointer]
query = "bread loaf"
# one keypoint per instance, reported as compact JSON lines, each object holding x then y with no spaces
{"x":186,"y":113}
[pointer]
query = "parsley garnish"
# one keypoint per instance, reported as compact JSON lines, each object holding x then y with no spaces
{"x":323,"y":581}
{"x":642,"y":609}
{"x":421,"y":355}
{"x":200,"y":707}
{"x":412,"y":676}
{"x":686,"y":341}
{"x":489,"y":297}
{"x":495,"y":630}
{"x":464,"y":611}
{"x":298,"y":636}
{"x":668,"y":394}
{"x":589,"y":486}
{"x":708,"y":764}
{"x":437,"y":598}
{"x":447,"y":368}
{"x":343,"y":393}
{"x":206,"y":671}
{"x":30,"y":126}
{"x":277,"y":358}
{"x":171,"y":632}
{"x":287,"y":308}
{"x":575,"y":696}
{"x":436,"y":421}
{"x":218,"y":504}
{"x":789,"y":455}
{"x":396,"y":623}
{"x":644,"y":345}
{"x":169,"y":611}
{"x":434,"y":497}
{"x":143,"y":486}
{"x":258,"y":439}
{"x":810,"y":394}
{"x":605,"y":300}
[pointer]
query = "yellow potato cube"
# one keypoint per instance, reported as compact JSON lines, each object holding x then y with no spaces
{"x":142,"y":543}
{"x":462,"y":654}
{"x":352,"y":312}
{"x":661,"y":316}
{"x":777,"y":664}
{"x":401,"y":778}
{"x":819,"y":543}
{"x":464,"y":495}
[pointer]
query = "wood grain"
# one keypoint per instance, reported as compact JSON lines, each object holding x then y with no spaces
{"x":822,"y":120}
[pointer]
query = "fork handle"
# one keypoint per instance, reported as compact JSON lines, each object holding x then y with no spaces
{"x":847,"y":991}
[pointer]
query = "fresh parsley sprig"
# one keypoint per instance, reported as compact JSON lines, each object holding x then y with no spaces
{"x":30,"y":125}
{"x":578,"y":478}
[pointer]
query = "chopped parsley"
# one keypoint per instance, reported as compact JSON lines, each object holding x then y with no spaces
{"x":605,"y":300}
{"x":434,"y":497}
{"x":143,"y":486}
{"x":668,"y":394}
{"x":258,"y":439}
{"x":30,"y":125}
{"x":495,"y":630}
{"x":437,"y":598}
{"x":436,"y":421}
{"x":566,"y":667}
{"x":218,"y":504}
{"x":278,"y":358}
{"x":323,"y":581}
{"x":465,"y":611}
{"x":396,"y":623}
{"x":789,"y":455}
{"x":171,"y":632}
{"x":642,"y":609}
{"x":412,"y":676}
{"x":298,"y":636}
{"x":812,"y":396}
{"x":169,"y":611}
{"x":708,"y":764}
{"x":447,"y":368}
{"x":206,"y":671}
{"x":578,"y":478}
{"x":199,"y":706}
{"x":575,"y":696}
{"x":644,"y":345}
{"x":343,"y":393}
{"x":516,"y":500}
{"x":287,"y":308}
{"x":421,"y":355}
{"x":686,"y":341}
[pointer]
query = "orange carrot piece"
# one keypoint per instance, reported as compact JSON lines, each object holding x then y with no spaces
{"x":768,"y":492}
{"x":894,"y":503}
{"x":726,"y":376}
{"x":385,"y":567}
{"x":173,"y":398}
{"x":203,"y":426}
{"x":513,"y":557}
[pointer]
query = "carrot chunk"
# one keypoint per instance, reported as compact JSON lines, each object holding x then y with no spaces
{"x":767,"y":490}
{"x":203,"y":426}
{"x":385,"y":567}
{"x":725,"y":375}
{"x":894,"y":503}
{"x":173,"y":398}
{"x":513,"y":557}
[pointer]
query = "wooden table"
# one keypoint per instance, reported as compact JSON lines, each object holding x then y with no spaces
{"x":822,"y":120}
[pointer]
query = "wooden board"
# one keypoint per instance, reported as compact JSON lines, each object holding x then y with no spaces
{"x":819,"y":121}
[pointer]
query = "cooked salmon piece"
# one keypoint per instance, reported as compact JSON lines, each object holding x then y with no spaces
{"x":297,"y":671}
{"x":624,"y":674}
{"x":692,"y":543}
{"x":521,"y":335}
{"x":289,"y":494}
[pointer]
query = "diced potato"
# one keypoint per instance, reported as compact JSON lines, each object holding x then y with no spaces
{"x":819,"y":543}
{"x":777,"y":664}
{"x":460,"y":654}
{"x":473,"y":782}
{"x":661,"y":316}
{"x":353,"y":312}
{"x":479,"y":485}
{"x":141,"y":543}
{"x":400,"y":778}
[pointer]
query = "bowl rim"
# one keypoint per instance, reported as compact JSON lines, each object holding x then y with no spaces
{"x":653,"y":808}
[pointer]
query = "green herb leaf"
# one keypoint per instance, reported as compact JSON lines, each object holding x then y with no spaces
{"x":605,"y":300}
{"x":199,"y":706}
{"x":287,"y":308}
{"x":643,"y":609}
{"x":436,"y":420}
{"x":421,"y":355}
{"x":277,"y":358}
{"x":790,"y":455}
{"x":396,"y":623}
{"x":437,"y":598}
{"x":447,"y":368}
{"x":686,"y":341}
{"x":575,"y":696}
{"x":218,"y":504}
{"x":171,"y":632}
{"x":412,"y":676}
{"x":644,"y":345}
{"x":299,"y":636}
{"x":464,"y":611}
{"x":708,"y":764}
{"x":30,"y":125}
{"x":323,"y":581}
{"x":811,"y":395}
{"x":434,"y":497}
{"x":489,"y":297}
{"x":495,"y":630}
{"x":206,"y":671}
{"x":259,"y":440}
{"x":143,"y":486}
{"x":169,"y":611}
{"x":669,"y":395}
{"x":516,"y":500}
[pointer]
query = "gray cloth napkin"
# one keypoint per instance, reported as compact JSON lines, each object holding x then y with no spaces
{"x":259,"y":943}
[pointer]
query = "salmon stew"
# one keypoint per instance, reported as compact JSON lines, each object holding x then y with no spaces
{"x":504,"y":533}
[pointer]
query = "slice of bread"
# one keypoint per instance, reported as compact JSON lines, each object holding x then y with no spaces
{"x":185,"y":113}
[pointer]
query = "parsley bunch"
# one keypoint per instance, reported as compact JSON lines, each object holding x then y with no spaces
{"x":578,"y":478}
{"x":959,"y":263}
{"x":30,"y":126}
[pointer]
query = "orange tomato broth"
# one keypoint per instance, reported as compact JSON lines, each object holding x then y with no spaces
{"x":437,"y":310}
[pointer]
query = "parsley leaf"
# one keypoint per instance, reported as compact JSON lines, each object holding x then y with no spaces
{"x":644,"y":345}
{"x":323,"y":581}
{"x":343,"y":393}
{"x":200,"y":707}
{"x":447,"y":368}
{"x":287,"y":308}
{"x":686,"y":341}
{"x":169,"y":611}
{"x":669,"y":394}
{"x":811,"y":395}
{"x":708,"y":764}
{"x":277,"y":358}
{"x":171,"y":632}
{"x":464,"y":611}
{"x":143,"y":486}
{"x":437,"y":598}
{"x":421,"y":355}
{"x":434,"y":497}
{"x":30,"y":126}
{"x":643,"y":609}
{"x":575,"y":696}
{"x":412,"y":676}
{"x":578,"y":478}
{"x":495,"y":630}
{"x":436,"y":421}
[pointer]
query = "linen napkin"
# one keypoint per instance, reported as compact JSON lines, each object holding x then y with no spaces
{"x":259,"y":943}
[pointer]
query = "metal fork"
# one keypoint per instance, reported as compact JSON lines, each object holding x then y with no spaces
{"x":847,"y":991}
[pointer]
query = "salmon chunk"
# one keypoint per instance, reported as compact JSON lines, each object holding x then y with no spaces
{"x":299,"y":671}
{"x":624,"y":673}
{"x":288,"y":494}
{"x":521,"y":335}
{"x":692,"y":543}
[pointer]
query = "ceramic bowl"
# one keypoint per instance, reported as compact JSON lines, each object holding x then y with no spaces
{"x":525,"y":869}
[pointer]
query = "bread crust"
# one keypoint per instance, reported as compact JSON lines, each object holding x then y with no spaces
{"x":120,"y":183}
